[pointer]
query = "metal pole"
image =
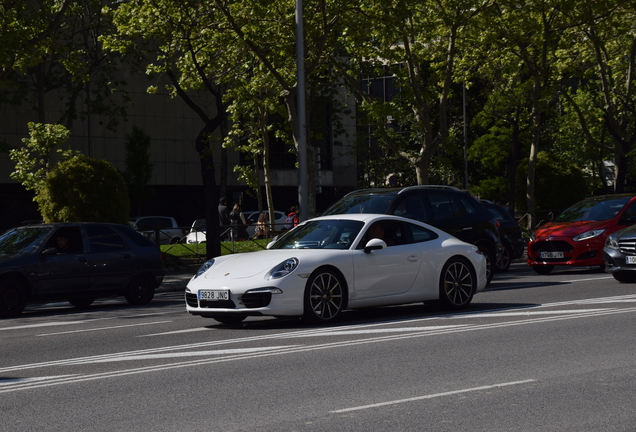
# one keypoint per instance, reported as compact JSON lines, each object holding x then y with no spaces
{"x":300,"y":104}
{"x":465,"y":140}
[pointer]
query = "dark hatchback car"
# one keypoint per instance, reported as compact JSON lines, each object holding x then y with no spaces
{"x":449,"y":209}
{"x":512,"y":241}
{"x":619,"y":254}
{"x":78,"y":262}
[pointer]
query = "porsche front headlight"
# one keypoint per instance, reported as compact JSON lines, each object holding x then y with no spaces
{"x":206,"y":265}
{"x":283,"y":269}
{"x":589,"y":234}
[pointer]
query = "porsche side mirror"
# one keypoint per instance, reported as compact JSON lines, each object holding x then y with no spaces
{"x":374,"y":244}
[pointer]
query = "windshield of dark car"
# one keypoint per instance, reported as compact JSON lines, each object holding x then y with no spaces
{"x":320,"y":234}
{"x":378,"y":204}
{"x":22,"y":240}
{"x":593,"y":210}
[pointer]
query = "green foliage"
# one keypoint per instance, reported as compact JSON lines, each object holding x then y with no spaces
{"x":139,"y":167}
{"x":32,"y":162}
{"x":84,"y":189}
{"x":560,"y":183}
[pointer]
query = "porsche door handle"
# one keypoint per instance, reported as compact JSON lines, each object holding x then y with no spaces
{"x":413,"y":258}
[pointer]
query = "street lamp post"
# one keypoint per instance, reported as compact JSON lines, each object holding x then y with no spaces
{"x":303,"y":192}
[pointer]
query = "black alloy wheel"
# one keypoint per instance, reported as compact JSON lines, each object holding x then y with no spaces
{"x":457,"y":284}
{"x":324,"y":296}
{"x":503,"y":263}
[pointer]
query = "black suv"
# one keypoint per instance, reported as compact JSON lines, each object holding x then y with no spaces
{"x":447,"y":208}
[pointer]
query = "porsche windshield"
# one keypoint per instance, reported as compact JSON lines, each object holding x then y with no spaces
{"x":593,"y":210}
{"x":22,"y":240}
{"x":320,"y":234}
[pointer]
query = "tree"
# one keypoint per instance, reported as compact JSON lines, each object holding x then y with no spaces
{"x":603,"y":59}
{"x":183,"y":42}
{"x":528,"y":34}
{"x":52,"y":46}
{"x":83,"y":189}
{"x":33,"y":161}
{"x":138,"y":166}
{"x":416,"y":43}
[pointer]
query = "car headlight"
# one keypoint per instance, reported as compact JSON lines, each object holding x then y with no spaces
{"x":206,"y":265}
{"x":283,"y":269}
{"x":612,"y":241}
{"x":589,"y":234}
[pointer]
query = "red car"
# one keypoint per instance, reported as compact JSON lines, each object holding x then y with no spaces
{"x":577,"y":236}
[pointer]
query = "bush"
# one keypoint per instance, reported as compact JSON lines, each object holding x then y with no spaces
{"x":84,"y":189}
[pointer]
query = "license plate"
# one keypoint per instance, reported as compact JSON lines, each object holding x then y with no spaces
{"x":631,"y":260}
{"x":546,"y":255}
{"x":214,"y":295}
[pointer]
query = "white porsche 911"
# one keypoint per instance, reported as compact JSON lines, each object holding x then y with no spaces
{"x":328,"y":264}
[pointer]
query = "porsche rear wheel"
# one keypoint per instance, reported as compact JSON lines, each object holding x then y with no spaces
{"x":324,"y":296}
{"x":457,"y":284}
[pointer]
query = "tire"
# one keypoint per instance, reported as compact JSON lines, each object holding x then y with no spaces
{"x":140,"y":291}
{"x":490,"y":260}
{"x":227,"y":319}
{"x":81,"y":302}
{"x":12,"y":298}
{"x":325,"y":296}
{"x":543,"y":269}
{"x":503,"y":263}
{"x":625,"y":276}
{"x":457,"y":284}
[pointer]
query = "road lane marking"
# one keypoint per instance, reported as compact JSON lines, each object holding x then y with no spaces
{"x":4,"y":382}
{"x":104,"y":328}
{"x":530,"y":313}
{"x":189,"y":354}
{"x":376,"y":331}
{"x":46,"y":324}
{"x":293,"y":350}
{"x":431,"y":396}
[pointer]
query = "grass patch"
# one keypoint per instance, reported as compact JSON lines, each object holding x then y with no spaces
{"x":182,"y":250}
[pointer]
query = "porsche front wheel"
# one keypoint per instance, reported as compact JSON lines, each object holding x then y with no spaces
{"x":324,"y":296}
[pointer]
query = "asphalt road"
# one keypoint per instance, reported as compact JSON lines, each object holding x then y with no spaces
{"x":532,"y":353}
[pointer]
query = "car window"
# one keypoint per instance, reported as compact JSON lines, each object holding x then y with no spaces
{"x":593,"y":210}
{"x":67,"y":240}
{"x":420,"y":234}
{"x":630,"y":213}
{"x":443,"y":207}
{"x":104,"y":239}
{"x":413,"y":207}
{"x":135,"y":237}
{"x":22,"y":240}
{"x":468,"y":206}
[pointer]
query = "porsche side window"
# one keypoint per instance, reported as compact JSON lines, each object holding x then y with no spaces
{"x":421,"y":234}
